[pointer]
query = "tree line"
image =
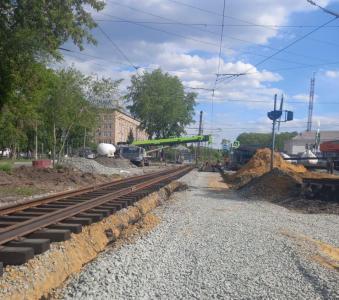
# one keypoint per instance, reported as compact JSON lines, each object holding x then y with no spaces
{"x":262,"y":140}
{"x":50,"y":107}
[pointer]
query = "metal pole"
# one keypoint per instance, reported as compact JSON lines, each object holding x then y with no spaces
{"x":273,"y":134}
{"x":85,"y":139}
{"x":36,"y":141}
{"x":199,"y":133}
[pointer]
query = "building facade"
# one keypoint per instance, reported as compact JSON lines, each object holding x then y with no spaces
{"x":298,"y":144}
{"x":114,"y":127}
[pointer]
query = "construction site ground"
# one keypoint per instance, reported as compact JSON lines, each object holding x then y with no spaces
{"x":282,"y":185}
{"x":212,"y":243}
{"x":25,"y":182}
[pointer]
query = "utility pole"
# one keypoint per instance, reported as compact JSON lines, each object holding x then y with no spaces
{"x":310,"y":105}
{"x":273,"y":133}
{"x":199,"y":133}
{"x":85,"y":139}
{"x":36,"y":141}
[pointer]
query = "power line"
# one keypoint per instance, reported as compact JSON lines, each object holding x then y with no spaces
{"x":210,"y":24}
{"x":248,"y":23}
{"x":191,"y":71}
{"x":158,"y":16}
{"x":219,"y":58}
{"x":203,"y":30}
{"x":229,"y":37}
{"x":209,"y":43}
{"x":117,"y":48}
{"x":91,"y":56}
{"x":324,"y":9}
{"x":213,"y":32}
{"x":288,"y":46}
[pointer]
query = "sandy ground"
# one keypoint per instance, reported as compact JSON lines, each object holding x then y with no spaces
{"x":213,"y":244}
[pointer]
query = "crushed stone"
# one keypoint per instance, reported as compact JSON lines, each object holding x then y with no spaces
{"x":214,"y":244}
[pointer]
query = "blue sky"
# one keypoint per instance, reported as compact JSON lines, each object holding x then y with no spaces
{"x":183,"y":37}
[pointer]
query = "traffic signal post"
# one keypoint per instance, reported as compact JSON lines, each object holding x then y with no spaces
{"x":275,"y":115}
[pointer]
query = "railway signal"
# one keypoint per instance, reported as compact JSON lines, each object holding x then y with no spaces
{"x":274,"y":115}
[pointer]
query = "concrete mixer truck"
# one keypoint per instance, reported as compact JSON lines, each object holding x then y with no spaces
{"x":107,"y":150}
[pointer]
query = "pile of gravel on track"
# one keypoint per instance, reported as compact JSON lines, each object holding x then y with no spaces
{"x":91,"y":166}
{"x":214,"y":245}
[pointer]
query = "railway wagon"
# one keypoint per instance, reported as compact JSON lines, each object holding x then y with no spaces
{"x":330,"y":149}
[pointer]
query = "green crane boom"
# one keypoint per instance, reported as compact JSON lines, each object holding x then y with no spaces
{"x":174,"y":141}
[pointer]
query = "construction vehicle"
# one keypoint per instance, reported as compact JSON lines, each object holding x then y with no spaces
{"x":174,"y":141}
{"x":104,"y":149}
{"x":137,"y":155}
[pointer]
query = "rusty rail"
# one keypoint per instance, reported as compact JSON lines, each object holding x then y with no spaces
{"x":138,"y":183}
{"x":73,"y":193}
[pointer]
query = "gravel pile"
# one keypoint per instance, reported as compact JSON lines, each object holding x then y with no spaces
{"x":213,"y":245}
{"x":91,"y":166}
{"x":113,"y":162}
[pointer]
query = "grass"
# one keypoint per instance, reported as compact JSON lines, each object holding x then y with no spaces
{"x":9,"y":160}
{"x":6,"y":167}
{"x":24,"y":191}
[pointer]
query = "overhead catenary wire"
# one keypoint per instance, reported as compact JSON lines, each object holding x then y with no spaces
{"x":210,"y":24}
{"x":204,"y":30}
{"x":76,"y":53}
{"x":118,"y":48}
{"x":286,"y":47}
{"x":219,"y":56}
{"x":324,"y":9}
{"x":249,"y":23}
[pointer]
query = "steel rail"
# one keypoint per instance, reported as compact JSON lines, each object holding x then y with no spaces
{"x":331,"y":181}
{"x":78,"y":192}
{"x":23,"y":228}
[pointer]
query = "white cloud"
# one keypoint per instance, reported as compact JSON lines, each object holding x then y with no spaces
{"x":191,"y":52}
{"x":332,"y":74}
{"x":302,"y":97}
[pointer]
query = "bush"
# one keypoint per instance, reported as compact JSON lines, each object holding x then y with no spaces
{"x":6,"y":167}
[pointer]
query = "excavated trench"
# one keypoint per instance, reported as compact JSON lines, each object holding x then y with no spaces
{"x":45,"y":272}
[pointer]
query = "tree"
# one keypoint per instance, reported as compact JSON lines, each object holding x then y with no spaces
{"x":161,"y":104}
{"x":67,"y":109}
{"x":20,"y":117}
{"x":32,"y":31}
{"x":130,"y":138}
{"x":104,"y":93}
{"x":262,"y":140}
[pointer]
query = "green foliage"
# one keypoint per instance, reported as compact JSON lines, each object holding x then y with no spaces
{"x":31,"y":31}
{"x":159,"y":101}
{"x":61,"y":108}
{"x":130,"y":138}
{"x":210,"y":154}
{"x":24,"y":191}
{"x":265,"y":139}
{"x":6,"y":167}
{"x":67,"y":110}
{"x":103,"y":93}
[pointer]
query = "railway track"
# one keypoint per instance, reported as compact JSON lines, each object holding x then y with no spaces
{"x":321,"y":188}
{"x":28,"y":229}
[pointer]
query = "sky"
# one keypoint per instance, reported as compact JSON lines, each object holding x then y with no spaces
{"x":271,"y":41}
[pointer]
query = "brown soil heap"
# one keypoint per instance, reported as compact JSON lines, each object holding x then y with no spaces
{"x":27,"y":181}
{"x":259,"y":164}
{"x":275,"y":185}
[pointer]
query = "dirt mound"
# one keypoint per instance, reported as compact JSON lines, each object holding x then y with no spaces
{"x":28,"y":181}
{"x":260,"y":163}
{"x":275,"y":185}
